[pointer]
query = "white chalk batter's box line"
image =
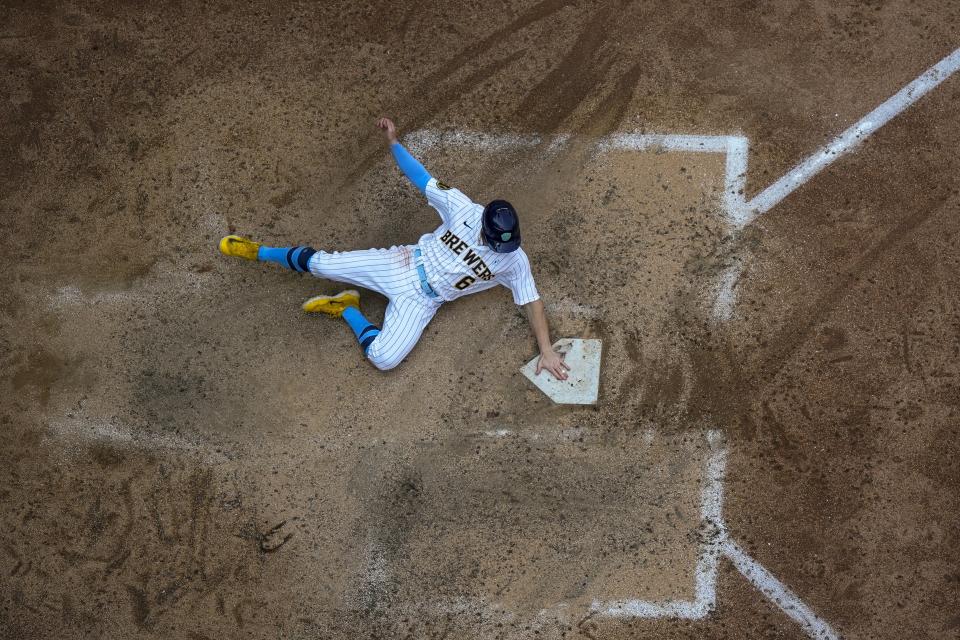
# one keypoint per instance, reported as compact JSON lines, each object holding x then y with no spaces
{"x":716,"y":544}
{"x":735,"y":148}
{"x":711,"y":529}
{"x":705,"y":576}
{"x":739,"y":213}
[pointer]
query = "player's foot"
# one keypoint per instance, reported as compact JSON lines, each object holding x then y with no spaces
{"x":239,"y":247}
{"x":333,"y":306}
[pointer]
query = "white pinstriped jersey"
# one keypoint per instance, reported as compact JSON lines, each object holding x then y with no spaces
{"x":456,"y":262}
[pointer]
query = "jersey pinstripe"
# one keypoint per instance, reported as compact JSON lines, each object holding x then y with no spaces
{"x":456,"y":261}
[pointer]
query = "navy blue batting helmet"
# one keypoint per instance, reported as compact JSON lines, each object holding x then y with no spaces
{"x":501,"y":226}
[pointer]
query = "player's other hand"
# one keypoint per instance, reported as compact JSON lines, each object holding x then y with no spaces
{"x":553,"y":362}
{"x":389,"y":129}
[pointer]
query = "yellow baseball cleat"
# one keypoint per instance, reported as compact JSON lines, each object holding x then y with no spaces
{"x":333,"y":306}
{"x":239,"y":247}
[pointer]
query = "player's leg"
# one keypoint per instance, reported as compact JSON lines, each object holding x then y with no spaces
{"x":382,"y":270}
{"x":365,"y":331}
{"x":403,"y":324}
{"x":294,"y":258}
{"x":346,"y":305}
{"x":386,"y":271}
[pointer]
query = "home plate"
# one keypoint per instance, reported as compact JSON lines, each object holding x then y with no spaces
{"x":583,"y":380}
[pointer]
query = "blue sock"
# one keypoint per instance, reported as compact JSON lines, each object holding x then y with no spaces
{"x":295,"y":258}
{"x":362,"y":328}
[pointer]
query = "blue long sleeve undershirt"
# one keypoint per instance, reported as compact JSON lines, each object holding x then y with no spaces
{"x":410,"y":167}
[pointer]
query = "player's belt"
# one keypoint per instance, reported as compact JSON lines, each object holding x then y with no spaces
{"x":424,"y":283}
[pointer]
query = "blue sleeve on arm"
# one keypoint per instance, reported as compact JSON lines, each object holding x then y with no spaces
{"x":410,"y":167}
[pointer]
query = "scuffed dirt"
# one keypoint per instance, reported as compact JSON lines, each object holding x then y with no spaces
{"x":186,"y":455}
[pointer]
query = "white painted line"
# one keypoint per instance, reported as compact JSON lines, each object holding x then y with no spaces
{"x":705,"y":577}
{"x":377,"y":572}
{"x":726,"y":295}
{"x":422,"y":139}
{"x":71,"y":295}
{"x":738,"y":149}
{"x":559,"y":142}
{"x":849,"y":139}
{"x":645,"y":141}
{"x":716,"y":541}
{"x":713,"y":529}
{"x":683,"y":609}
{"x":88,"y":431}
{"x":160,"y":280}
{"x":778,"y":593}
{"x":562,"y":435}
{"x":425,"y":138}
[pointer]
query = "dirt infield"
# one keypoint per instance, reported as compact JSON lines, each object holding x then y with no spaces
{"x":187,"y":455}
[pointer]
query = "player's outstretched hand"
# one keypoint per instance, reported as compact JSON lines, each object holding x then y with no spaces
{"x":553,"y":362}
{"x":389,"y":129}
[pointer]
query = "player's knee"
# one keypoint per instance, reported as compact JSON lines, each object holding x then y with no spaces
{"x":384,"y":363}
{"x":383,"y":358}
{"x":316,"y":263}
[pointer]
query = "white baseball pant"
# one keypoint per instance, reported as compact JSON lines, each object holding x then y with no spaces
{"x":391,"y":273}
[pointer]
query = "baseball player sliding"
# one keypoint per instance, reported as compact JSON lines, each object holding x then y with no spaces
{"x":474,"y":248}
